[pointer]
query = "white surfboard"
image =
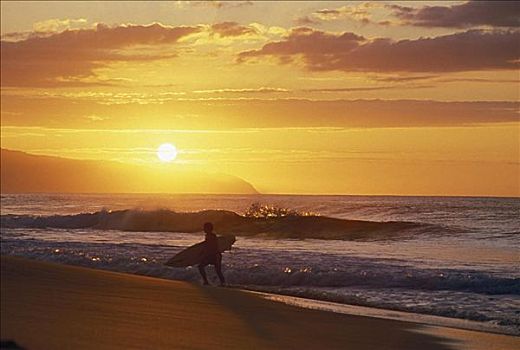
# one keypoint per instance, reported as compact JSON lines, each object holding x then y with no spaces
{"x":193,"y":255}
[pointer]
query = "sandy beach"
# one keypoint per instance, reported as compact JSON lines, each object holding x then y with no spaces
{"x":51,"y":306}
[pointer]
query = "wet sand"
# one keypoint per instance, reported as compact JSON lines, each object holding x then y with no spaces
{"x":52,"y":306}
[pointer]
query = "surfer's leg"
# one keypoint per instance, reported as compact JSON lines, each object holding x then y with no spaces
{"x":218,"y":269}
{"x":203,"y":273}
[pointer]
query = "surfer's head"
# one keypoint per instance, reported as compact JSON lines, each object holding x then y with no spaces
{"x":208,"y":227}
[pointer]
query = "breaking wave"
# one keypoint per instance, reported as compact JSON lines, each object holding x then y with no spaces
{"x":226,"y":222}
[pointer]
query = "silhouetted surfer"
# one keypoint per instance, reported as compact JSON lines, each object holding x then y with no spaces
{"x":211,"y":255}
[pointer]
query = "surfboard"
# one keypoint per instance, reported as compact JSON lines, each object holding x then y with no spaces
{"x":193,"y":255}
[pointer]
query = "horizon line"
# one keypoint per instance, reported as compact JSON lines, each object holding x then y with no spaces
{"x":260,"y":194}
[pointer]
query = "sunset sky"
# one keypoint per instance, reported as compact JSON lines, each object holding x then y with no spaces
{"x":293,"y":97}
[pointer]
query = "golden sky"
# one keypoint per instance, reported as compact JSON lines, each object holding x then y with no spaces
{"x":294,"y":97}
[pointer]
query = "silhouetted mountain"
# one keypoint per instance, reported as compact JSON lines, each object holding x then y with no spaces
{"x":24,"y":173}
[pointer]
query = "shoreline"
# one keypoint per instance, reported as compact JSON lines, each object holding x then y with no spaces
{"x":48,"y":305}
{"x":341,"y":308}
{"x":387,"y":314}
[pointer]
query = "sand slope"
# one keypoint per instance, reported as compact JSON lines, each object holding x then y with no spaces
{"x":50,"y":306}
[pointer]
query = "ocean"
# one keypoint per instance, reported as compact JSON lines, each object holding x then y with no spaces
{"x":456,"y":257}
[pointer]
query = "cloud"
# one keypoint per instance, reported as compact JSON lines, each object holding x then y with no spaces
{"x":215,"y":4}
{"x":69,"y":58}
{"x":367,"y":88}
{"x":400,"y":78}
{"x":477,"y":80}
{"x":361,"y":12}
{"x":58,"y":25}
{"x":306,"y":21}
{"x":469,"y":14}
{"x":46,"y":28}
{"x":239,"y":112}
{"x":232,"y":29}
{"x":324,"y":51}
{"x":439,"y":79}
{"x":313,"y":44}
{"x":114,"y":98}
{"x":229,"y":4}
{"x":16,"y":36}
{"x":242,"y":91}
{"x":95,"y":118}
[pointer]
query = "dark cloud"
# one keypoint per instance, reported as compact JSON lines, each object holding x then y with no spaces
{"x":227,"y":29}
{"x":67,"y":57}
{"x":306,"y":21}
{"x":312,"y":43}
{"x":469,"y":14}
{"x":467,"y":51}
{"x":400,"y":79}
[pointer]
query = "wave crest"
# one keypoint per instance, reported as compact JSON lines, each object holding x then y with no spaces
{"x":225,"y":222}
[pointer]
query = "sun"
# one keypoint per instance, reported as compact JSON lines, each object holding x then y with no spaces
{"x":166,"y":152}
